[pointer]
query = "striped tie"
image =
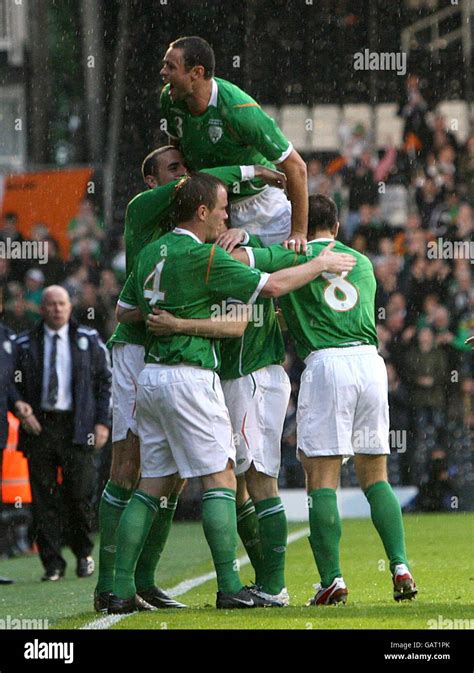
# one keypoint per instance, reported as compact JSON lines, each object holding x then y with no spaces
{"x":52,"y":397}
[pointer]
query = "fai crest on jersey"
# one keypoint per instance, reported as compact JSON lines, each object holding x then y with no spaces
{"x":215,"y":133}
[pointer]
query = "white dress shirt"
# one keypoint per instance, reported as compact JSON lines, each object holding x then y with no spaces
{"x":63,"y":369}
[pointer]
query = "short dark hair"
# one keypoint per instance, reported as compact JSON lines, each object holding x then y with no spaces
{"x":196,"y":51}
{"x":150,"y":162}
{"x":194,"y":190}
{"x":322,"y":214}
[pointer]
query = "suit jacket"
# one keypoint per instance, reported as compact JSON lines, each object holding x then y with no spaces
{"x":8,"y":391}
{"x":91,"y":380}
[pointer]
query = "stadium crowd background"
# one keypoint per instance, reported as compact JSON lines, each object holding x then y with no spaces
{"x":423,"y":305}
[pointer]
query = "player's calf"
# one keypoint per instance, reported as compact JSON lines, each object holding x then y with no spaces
{"x":125,"y":468}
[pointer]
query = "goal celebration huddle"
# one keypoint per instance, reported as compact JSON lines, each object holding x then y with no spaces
{"x":224,"y":229}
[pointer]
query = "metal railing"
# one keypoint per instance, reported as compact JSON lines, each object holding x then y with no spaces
{"x":438,"y":40}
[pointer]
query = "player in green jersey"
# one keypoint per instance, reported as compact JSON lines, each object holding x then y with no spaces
{"x":342,"y":405}
{"x":256,"y":391}
{"x":183,"y":423}
{"x":147,"y":217}
{"x":214,"y":123}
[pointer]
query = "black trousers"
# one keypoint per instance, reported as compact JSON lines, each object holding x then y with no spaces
{"x":61,"y":512}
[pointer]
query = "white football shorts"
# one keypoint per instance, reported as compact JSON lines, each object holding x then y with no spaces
{"x":343,"y":403}
{"x":127,"y":362}
{"x":267,"y":214}
{"x":257,"y":406}
{"x":183,"y":422}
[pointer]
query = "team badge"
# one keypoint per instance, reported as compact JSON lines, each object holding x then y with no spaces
{"x":83,"y":343}
{"x":7,"y":347}
{"x":215,"y":133}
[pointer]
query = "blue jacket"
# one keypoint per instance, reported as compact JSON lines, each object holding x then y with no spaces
{"x":91,"y":380}
{"x":8,"y":391}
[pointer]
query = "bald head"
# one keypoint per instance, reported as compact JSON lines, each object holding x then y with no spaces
{"x":55,"y":307}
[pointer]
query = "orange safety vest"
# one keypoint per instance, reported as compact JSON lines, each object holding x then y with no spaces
{"x":15,"y":477}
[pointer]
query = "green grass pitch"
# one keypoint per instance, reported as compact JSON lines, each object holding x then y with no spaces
{"x":440,"y":548}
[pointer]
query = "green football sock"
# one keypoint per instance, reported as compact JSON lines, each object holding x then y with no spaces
{"x":247,"y":527}
{"x":112,"y":504}
{"x":219,"y":521}
{"x":273,"y":529}
{"x":325,"y":536}
{"x":155,"y":543}
{"x":387,"y":519}
{"x":132,"y":532}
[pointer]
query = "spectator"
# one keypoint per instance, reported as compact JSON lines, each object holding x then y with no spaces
{"x":413,"y":109}
{"x":90,"y":310}
{"x":34,"y":281}
{"x":9,"y":232}
{"x":466,"y":170}
{"x":315,"y":176}
{"x":363,"y":190}
{"x":66,"y":380}
{"x":16,"y":314}
{"x":428,"y":197}
{"x":426,"y":372}
{"x":86,"y":226}
{"x":441,"y":137}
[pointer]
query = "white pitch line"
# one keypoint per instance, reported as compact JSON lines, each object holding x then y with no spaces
{"x":179,"y":589}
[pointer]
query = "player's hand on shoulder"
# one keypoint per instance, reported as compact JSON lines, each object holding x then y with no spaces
{"x":337,"y":262}
{"x":161,"y":323}
{"x":271,"y":177}
{"x":296,"y":242}
{"x":231,"y":238}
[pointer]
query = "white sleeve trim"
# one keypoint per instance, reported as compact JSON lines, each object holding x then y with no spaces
{"x":263,"y":281}
{"x":124,"y":304}
{"x":251,"y":256}
{"x":247,"y":172}
{"x":246,"y":238}
{"x":285,"y":155}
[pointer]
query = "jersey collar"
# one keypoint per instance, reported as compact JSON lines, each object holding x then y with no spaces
{"x":214,"y":94}
{"x":317,"y":240}
{"x":186,"y":232}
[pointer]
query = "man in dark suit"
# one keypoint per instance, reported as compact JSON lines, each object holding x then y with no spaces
{"x":10,"y":399}
{"x":66,"y":378}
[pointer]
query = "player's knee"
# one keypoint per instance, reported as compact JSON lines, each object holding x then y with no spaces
{"x":179,"y":484}
{"x":260,"y":486}
{"x":125,"y":478}
{"x":370,"y":470}
{"x":242,"y":493}
{"x":125,"y":468}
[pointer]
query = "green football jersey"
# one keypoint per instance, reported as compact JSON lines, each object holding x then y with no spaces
{"x":146,"y":219}
{"x":330,"y":311}
{"x":190,"y":279}
{"x":260,"y":345}
{"x":233,"y":130}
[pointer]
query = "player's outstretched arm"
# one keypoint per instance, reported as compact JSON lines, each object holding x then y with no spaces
{"x":286,"y":280}
{"x":163,"y":323}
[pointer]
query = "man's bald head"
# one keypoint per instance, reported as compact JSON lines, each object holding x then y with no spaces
{"x":56,"y":306}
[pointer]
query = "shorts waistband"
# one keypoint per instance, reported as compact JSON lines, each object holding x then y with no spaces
{"x":249,"y":198}
{"x":180,"y":365}
{"x":343,"y":351}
